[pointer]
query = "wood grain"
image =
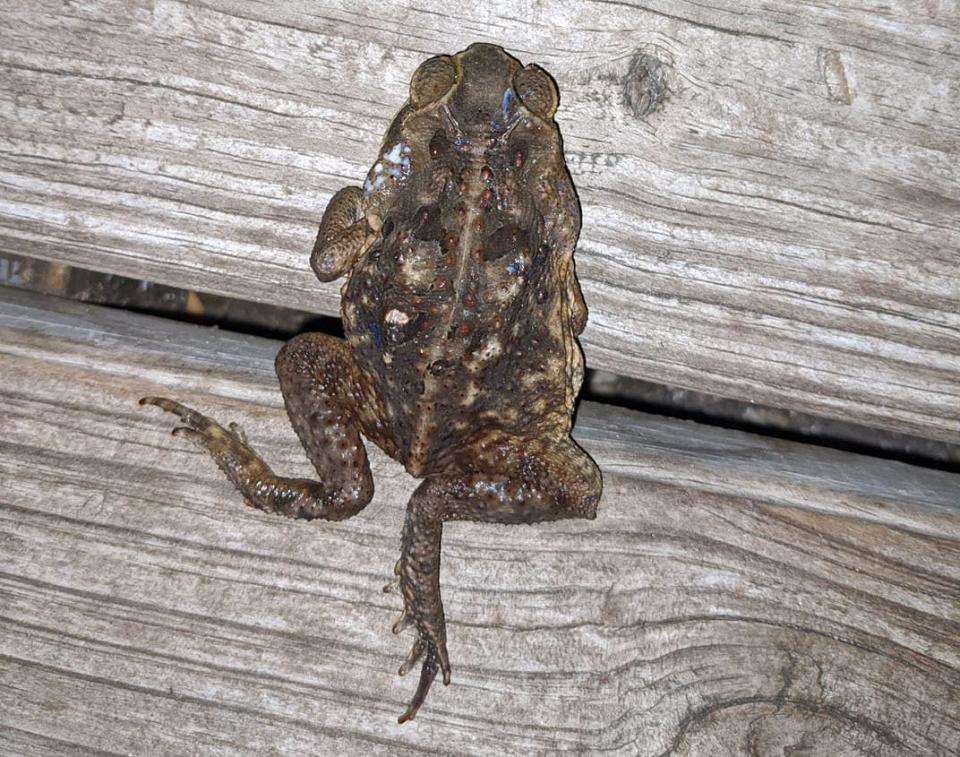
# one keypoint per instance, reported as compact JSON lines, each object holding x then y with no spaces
{"x":771,"y":191}
{"x":736,"y":595}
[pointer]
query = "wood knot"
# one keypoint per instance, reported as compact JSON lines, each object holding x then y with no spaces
{"x":645,"y":87}
{"x":834,"y":76}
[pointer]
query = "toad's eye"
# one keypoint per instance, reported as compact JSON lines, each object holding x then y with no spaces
{"x":536,"y":90}
{"x":432,"y":80}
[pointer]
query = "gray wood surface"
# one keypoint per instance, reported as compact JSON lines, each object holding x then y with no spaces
{"x":736,"y":595}
{"x":781,"y":228}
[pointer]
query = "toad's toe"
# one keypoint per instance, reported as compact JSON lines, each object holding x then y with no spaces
{"x":427,"y":673}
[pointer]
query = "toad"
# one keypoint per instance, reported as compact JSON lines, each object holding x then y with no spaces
{"x":461,"y":311}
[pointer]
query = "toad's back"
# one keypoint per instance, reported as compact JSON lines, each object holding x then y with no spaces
{"x":462,"y":313}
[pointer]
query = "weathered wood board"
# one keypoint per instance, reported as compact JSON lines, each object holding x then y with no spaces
{"x":736,"y":595}
{"x":784,"y":229}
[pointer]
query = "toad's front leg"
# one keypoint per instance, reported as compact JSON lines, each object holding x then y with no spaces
{"x":530,"y":480}
{"x":344,"y":234}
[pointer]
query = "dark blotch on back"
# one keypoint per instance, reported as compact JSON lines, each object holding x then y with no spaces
{"x":439,"y":146}
{"x":507,"y":239}
{"x":439,"y":367}
{"x":518,"y":153}
{"x":373,"y":256}
{"x":427,"y":224}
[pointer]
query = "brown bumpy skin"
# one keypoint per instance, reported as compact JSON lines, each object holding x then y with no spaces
{"x":461,"y":312}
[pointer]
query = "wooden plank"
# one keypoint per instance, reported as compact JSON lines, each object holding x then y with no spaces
{"x":735,"y":594}
{"x":783,"y":229}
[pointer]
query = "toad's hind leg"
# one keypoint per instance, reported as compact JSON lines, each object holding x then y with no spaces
{"x":320,"y":387}
{"x":513,"y":480}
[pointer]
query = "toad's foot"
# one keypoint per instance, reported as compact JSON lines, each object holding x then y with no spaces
{"x":260,"y":487}
{"x":420,"y":645}
{"x":419,"y":572}
{"x":228,"y":447}
{"x":434,"y":655}
{"x":532,"y":480}
{"x":428,"y":672}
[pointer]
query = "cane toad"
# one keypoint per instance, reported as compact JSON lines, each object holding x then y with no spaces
{"x":460,"y":311}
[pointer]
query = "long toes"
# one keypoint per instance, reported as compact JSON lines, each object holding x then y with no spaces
{"x":238,"y":433}
{"x":207,"y":439}
{"x":201,"y":430}
{"x":403,"y":622}
{"x":427,"y":673}
{"x":437,"y":645}
{"x":394,"y":586}
{"x":412,"y":656}
{"x":444,"y":661}
{"x":187,"y":415}
{"x":189,"y":433}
